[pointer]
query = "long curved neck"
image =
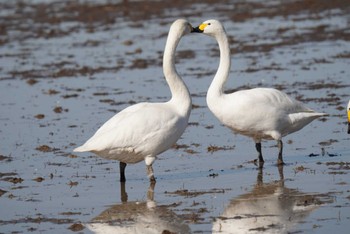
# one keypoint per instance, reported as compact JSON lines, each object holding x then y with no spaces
{"x":216,"y":89}
{"x":179,"y":92}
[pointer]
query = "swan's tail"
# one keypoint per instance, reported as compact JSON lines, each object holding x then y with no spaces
{"x":312,"y":115}
{"x":303,"y":118}
{"x":316,"y":114}
{"x":80,"y":149}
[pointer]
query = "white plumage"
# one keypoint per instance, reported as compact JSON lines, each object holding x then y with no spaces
{"x":142,"y":131}
{"x":348,"y":111}
{"x":260,"y":113}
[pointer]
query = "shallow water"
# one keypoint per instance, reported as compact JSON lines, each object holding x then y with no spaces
{"x":64,"y":72}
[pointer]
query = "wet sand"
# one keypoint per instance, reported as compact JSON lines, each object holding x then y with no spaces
{"x":68,"y":66}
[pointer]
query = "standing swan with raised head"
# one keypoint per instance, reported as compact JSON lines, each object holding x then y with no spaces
{"x":259,"y":113}
{"x":144,"y":130}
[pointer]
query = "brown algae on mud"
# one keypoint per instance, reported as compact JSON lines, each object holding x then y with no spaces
{"x":187,"y":193}
{"x":64,"y":70}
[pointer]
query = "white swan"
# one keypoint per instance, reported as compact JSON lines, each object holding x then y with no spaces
{"x":260,"y":113}
{"x":144,"y":130}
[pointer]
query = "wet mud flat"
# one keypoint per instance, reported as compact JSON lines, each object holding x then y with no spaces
{"x":68,"y":66}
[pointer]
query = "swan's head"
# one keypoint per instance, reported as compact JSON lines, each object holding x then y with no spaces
{"x":210,"y":27}
{"x":182,"y":26}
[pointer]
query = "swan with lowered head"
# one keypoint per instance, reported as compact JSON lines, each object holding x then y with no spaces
{"x":144,"y":130}
{"x":259,"y":113}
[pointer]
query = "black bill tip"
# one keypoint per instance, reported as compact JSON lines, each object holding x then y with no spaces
{"x":196,"y":30}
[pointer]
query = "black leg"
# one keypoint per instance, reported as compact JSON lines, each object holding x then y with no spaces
{"x":280,"y":150}
{"x":259,"y":180}
{"x":260,"y":157}
{"x":123,"y":194}
{"x":280,"y":171}
{"x":122,"y":171}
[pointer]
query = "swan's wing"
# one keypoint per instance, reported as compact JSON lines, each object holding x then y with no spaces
{"x":268,"y":99}
{"x":280,"y":100}
{"x":118,"y":118}
{"x":286,"y":115}
{"x":265,"y":112}
{"x":296,"y":111}
{"x":139,"y":128}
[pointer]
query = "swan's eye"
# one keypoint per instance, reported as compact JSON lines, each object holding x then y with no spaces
{"x":208,"y":23}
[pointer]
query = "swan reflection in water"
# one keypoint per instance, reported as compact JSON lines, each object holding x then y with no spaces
{"x":268,"y":208}
{"x":137,"y":217}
